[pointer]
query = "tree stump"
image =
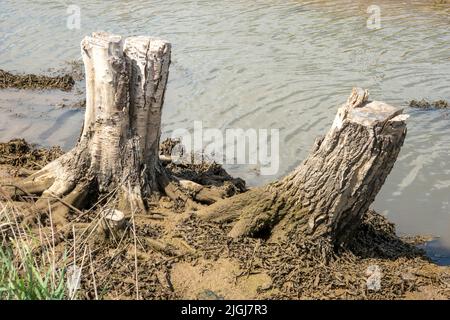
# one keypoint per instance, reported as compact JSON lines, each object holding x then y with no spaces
{"x":118,"y":151}
{"x":113,"y":223}
{"x":328,"y":194}
{"x":117,"y":155}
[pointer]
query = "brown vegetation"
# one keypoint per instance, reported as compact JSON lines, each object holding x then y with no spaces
{"x":32,"y":81}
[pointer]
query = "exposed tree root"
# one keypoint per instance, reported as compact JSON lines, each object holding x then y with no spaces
{"x":77,"y":198}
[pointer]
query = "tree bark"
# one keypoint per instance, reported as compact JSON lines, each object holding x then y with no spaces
{"x":328,"y":194}
{"x":118,"y":151}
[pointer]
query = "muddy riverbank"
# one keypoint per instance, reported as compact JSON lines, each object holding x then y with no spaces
{"x":263,"y":65}
{"x":310,"y":59}
{"x":170,"y":254}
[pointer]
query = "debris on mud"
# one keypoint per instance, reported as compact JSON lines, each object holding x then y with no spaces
{"x":32,"y":81}
{"x":19,"y":153}
{"x":297,"y":272}
{"x":165,"y":254}
{"x":74,"y":68}
{"x":424,"y":104}
{"x":205,"y":173}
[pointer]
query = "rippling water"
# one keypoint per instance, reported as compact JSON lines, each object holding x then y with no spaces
{"x":269,"y":64}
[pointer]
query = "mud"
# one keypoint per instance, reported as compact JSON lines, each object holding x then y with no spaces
{"x":297,"y":272}
{"x":173,"y":255}
{"x":205,"y":172}
{"x":74,"y":68}
{"x":32,"y":81}
{"x":424,"y":104}
{"x":20,"y":154}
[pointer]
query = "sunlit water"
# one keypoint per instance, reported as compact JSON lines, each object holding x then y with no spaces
{"x":267,"y":64}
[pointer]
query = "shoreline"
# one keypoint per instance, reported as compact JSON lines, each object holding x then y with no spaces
{"x":181,"y":257}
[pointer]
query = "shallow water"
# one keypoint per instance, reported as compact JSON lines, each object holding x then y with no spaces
{"x":264,"y":64}
{"x":40,"y":117}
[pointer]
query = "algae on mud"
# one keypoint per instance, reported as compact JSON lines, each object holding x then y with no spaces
{"x":199,"y":259}
{"x":19,"y":153}
{"x":424,"y":104}
{"x":32,"y":81}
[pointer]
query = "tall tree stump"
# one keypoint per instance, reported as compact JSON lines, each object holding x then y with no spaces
{"x":118,"y":150}
{"x":327,"y":195}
